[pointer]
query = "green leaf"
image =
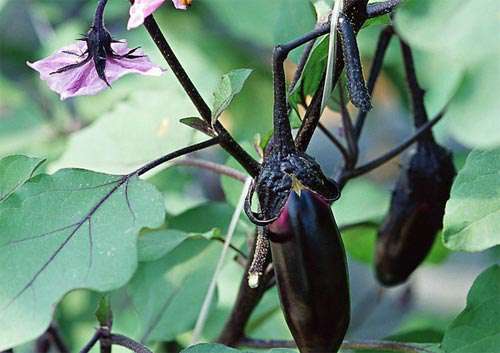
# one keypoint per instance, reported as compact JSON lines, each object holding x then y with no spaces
{"x":466,"y":43}
{"x":472,"y":216}
{"x":73,"y":229}
{"x":263,"y":22}
{"x":168,"y":293}
{"x":477,"y":328}
{"x":103,"y":312}
{"x":229,"y":86}
{"x":14,"y":172}
{"x":472,"y":117}
{"x":135,"y":132}
{"x":155,"y":244}
{"x":466,"y":35}
{"x":199,"y":124}
{"x":361,"y":201}
{"x":313,"y":71}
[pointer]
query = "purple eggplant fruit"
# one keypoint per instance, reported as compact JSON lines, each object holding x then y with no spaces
{"x":416,"y":213}
{"x":311,"y":272}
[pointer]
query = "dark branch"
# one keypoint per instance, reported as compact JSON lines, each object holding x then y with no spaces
{"x":99,"y":14}
{"x":417,"y":93}
{"x":232,"y":246}
{"x":283,"y":139}
{"x":129,"y":343}
{"x":399,"y":347}
{"x":183,"y":151}
{"x":381,"y":8}
{"x":355,"y":11}
{"x":226,"y":141}
{"x":382,"y":45}
{"x":56,"y":338}
{"x":333,"y":139}
{"x":90,"y":344}
{"x":393,"y":153}
{"x":352,"y":143}
{"x":311,"y":121}
{"x":246,"y":301}
{"x":213,"y":167}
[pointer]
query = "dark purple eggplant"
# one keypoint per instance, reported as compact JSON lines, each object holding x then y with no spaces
{"x":311,"y":272}
{"x":416,"y":213}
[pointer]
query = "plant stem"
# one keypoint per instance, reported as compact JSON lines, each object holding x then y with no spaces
{"x":246,"y":301}
{"x":189,"y":149}
{"x":226,"y":141}
{"x":90,"y":344}
{"x":351,"y":345}
{"x":417,"y":93}
{"x":129,"y":343}
{"x":355,"y":11}
{"x":56,"y":338}
{"x":392,"y":153}
{"x":99,"y":14}
{"x":213,"y":167}
{"x":240,"y":253}
{"x":352,"y":143}
{"x":381,"y":8}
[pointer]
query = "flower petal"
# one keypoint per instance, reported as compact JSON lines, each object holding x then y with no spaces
{"x":83,"y":80}
{"x":142,"y":9}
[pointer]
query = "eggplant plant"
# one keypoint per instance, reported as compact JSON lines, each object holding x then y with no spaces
{"x":120,"y":244}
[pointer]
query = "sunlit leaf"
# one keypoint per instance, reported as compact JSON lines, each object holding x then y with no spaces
{"x":477,"y":328}
{"x":73,"y":229}
{"x":14,"y":172}
{"x":229,"y":86}
{"x":168,"y":293}
{"x":472,"y":216}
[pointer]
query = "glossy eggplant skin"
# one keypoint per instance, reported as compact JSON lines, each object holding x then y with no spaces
{"x":415,"y":215}
{"x":311,"y":272}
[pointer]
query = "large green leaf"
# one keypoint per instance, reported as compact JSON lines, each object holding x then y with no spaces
{"x":264,"y":22}
{"x":466,"y":36}
{"x":14,"y":172}
{"x":472,"y":117}
{"x":229,"y":86}
{"x":134,"y":132}
{"x":472,"y":217}
{"x":155,"y":244}
{"x":361,"y":201}
{"x":73,"y":229}
{"x":168,"y":293}
{"x":477,"y":328}
{"x":467,"y":40}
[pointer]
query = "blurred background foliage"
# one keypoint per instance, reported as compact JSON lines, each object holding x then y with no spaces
{"x":137,"y":120}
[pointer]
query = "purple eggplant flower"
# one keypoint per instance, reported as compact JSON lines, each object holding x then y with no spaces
{"x":143,"y":8}
{"x":91,"y":64}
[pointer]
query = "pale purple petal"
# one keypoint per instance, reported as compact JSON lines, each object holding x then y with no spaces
{"x":83,"y":80}
{"x":140,"y":10}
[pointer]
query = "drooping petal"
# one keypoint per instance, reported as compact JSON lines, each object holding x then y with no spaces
{"x":140,"y":10}
{"x":83,"y":80}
